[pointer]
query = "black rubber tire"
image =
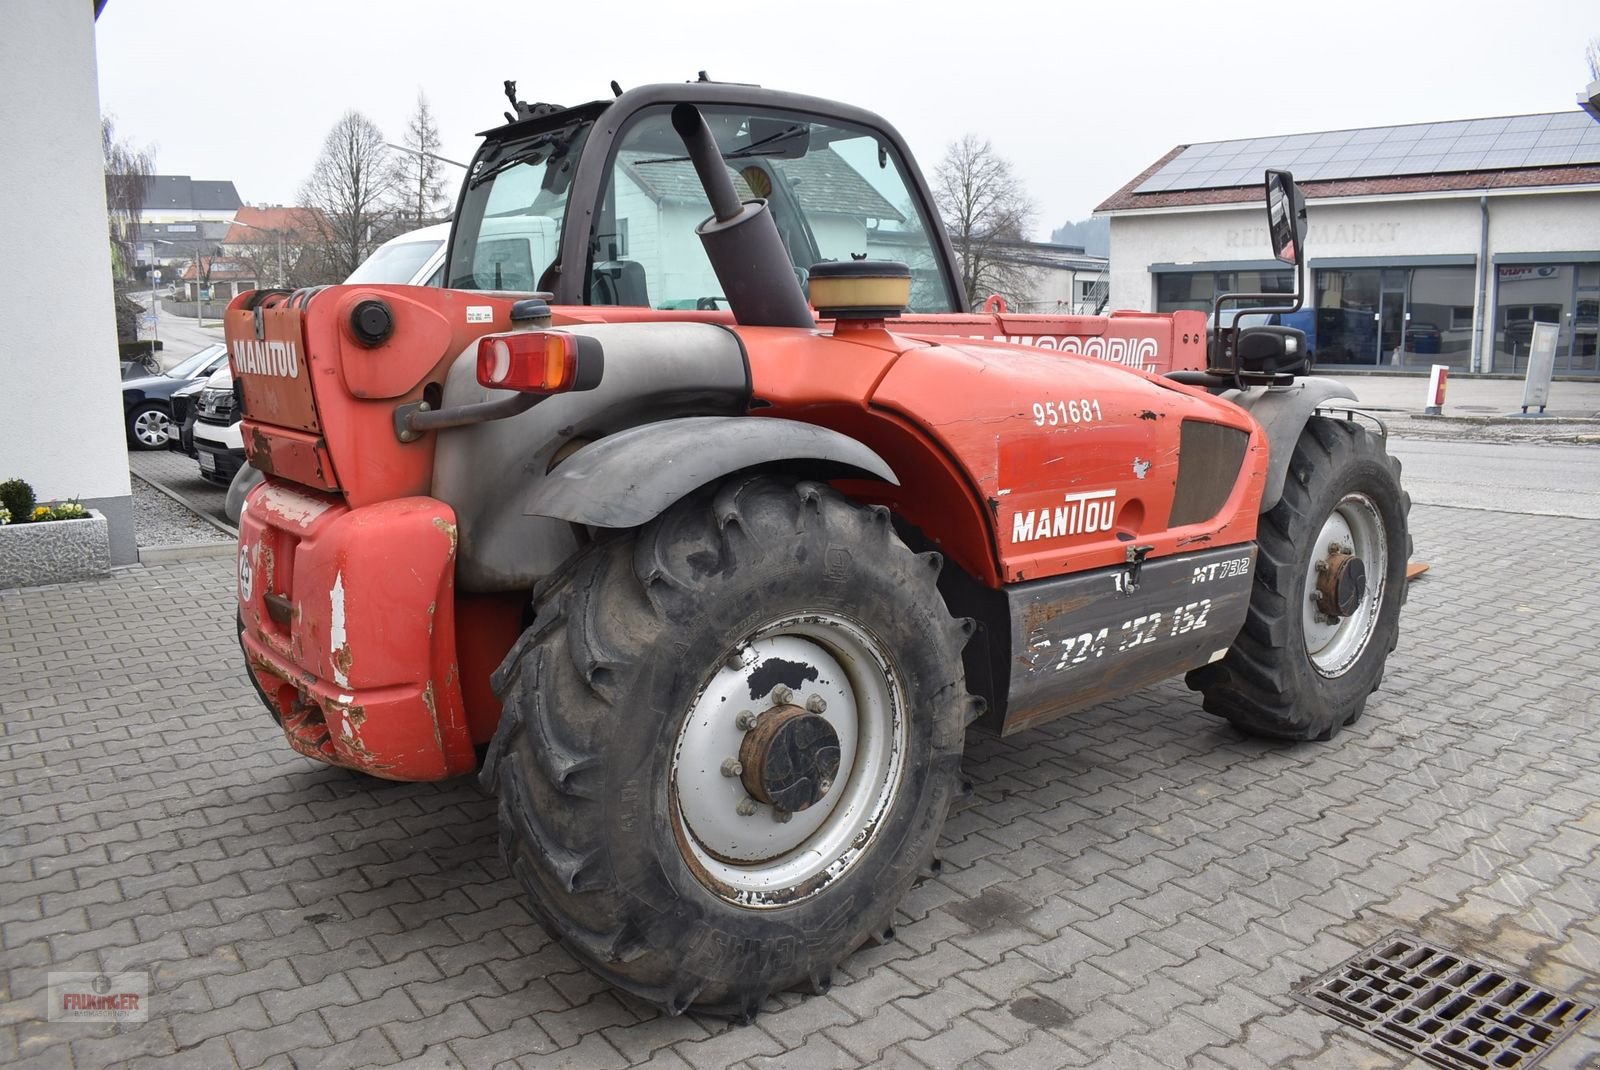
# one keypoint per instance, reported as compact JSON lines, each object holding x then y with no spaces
{"x":140,"y":410}
{"x":596,"y":689}
{"x":1267,"y":684}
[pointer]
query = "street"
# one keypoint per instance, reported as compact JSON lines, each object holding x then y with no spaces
{"x":179,"y":335}
{"x":1543,"y":480}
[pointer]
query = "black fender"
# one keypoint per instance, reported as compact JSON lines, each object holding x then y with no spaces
{"x":1282,"y":412}
{"x":631,"y":477}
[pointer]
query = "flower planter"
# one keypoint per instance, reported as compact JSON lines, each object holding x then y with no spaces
{"x":56,"y":551}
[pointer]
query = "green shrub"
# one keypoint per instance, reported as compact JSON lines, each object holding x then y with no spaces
{"x":17,"y":496}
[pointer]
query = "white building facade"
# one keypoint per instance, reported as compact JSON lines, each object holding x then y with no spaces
{"x":61,"y":420}
{"x":1404,"y":270}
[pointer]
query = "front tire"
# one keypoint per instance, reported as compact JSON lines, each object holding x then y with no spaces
{"x":1325,"y":606}
{"x":729,"y":742}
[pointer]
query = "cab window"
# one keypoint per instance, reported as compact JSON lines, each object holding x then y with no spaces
{"x":835,"y":192}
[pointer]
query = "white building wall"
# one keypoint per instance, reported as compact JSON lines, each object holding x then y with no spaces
{"x":1545,"y":223}
{"x":60,"y":406}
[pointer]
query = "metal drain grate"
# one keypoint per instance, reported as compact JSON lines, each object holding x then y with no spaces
{"x":1443,"y":1007}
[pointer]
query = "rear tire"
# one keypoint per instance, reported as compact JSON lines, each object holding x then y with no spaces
{"x":1296,"y":672}
{"x":617,"y":805}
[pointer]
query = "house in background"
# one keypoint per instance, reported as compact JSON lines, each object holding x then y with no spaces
{"x":163,"y":245}
{"x":1066,"y":281}
{"x":273,"y":239}
{"x":179,"y":199}
{"x":223,"y":278}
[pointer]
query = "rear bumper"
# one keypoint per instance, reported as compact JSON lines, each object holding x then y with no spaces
{"x":349,"y":629}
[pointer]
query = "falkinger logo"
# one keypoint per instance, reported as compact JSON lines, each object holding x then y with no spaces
{"x":98,"y":997}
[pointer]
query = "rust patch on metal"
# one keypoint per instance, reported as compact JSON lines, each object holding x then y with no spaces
{"x":261,"y":451}
{"x":448,"y":528}
{"x":342,"y":660}
{"x":1037,"y":615}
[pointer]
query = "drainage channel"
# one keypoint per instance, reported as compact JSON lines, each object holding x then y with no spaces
{"x":1446,"y":1008}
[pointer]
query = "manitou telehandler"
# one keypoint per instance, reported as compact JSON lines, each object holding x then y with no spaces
{"x":698,"y":515}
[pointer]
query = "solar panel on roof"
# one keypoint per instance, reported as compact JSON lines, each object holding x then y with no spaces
{"x":1421,"y":148}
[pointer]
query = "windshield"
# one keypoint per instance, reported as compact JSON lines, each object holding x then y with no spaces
{"x":509,"y":229}
{"x":191,"y":365}
{"x":397,"y":263}
{"x":835,"y":191}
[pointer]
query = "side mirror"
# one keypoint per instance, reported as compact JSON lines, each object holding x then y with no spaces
{"x":1286,"y":216}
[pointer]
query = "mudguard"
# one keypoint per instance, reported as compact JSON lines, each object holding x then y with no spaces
{"x":1282,"y":412}
{"x":631,"y":477}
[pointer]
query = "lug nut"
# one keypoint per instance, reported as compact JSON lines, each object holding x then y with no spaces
{"x":1333,"y":547}
{"x":734,"y":661}
{"x":781,"y":695}
{"x":780,"y":815}
{"x":746,"y":807}
{"x":745,"y":721}
{"x":1322,"y":566}
{"x":732,"y":767}
{"x":816,"y":704}
{"x":824,"y":785}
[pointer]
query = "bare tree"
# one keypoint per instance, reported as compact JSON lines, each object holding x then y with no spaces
{"x":984,"y":206}
{"x":1591,"y":56}
{"x":127,"y":173}
{"x":350,"y":187}
{"x":286,"y":251}
{"x":420,"y":171}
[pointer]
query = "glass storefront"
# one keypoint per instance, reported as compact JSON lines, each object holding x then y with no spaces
{"x":1567,"y":295}
{"x":1394,"y":317}
{"x":1410,"y":317}
{"x":1197,"y":289}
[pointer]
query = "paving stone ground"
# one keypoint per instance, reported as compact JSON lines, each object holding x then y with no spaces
{"x":1133,"y":886}
{"x":180,"y":473}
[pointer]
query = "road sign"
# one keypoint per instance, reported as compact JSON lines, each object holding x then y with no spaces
{"x":156,"y":274}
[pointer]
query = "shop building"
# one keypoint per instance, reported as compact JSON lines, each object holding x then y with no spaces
{"x":1433,"y":243}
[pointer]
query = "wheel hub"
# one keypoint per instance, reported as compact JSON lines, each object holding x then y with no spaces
{"x":790,"y":758}
{"x":1341,"y":581}
{"x":1344,"y":584}
{"x":787,"y":761}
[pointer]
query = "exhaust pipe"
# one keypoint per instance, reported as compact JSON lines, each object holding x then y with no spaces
{"x":740,"y":238}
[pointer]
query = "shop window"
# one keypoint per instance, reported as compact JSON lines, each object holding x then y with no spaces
{"x":1393,"y":317}
{"x":1198,"y":289}
{"x":1566,"y":295}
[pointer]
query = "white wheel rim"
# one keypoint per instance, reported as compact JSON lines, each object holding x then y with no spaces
{"x":152,"y":427}
{"x":755,"y":860}
{"x":1353,"y":527}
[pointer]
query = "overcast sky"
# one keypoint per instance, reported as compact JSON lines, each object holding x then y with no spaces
{"x":1079,"y":97}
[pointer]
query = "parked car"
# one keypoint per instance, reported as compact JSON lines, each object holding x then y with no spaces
{"x":218,"y":437}
{"x":415,"y":258}
{"x":184,"y":401}
{"x":147,"y":400}
{"x":1422,"y":338}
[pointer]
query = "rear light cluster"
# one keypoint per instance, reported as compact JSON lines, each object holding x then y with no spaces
{"x":539,"y":362}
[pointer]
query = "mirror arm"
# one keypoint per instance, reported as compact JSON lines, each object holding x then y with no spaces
{"x":1296,"y":208}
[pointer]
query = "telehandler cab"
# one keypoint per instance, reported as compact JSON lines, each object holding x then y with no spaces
{"x":702,"y":519}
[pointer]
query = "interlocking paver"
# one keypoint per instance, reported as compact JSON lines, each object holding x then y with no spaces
{"x":1139,"y":865}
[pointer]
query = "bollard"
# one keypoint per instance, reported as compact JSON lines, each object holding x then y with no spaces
{"x":1436,"y":385}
